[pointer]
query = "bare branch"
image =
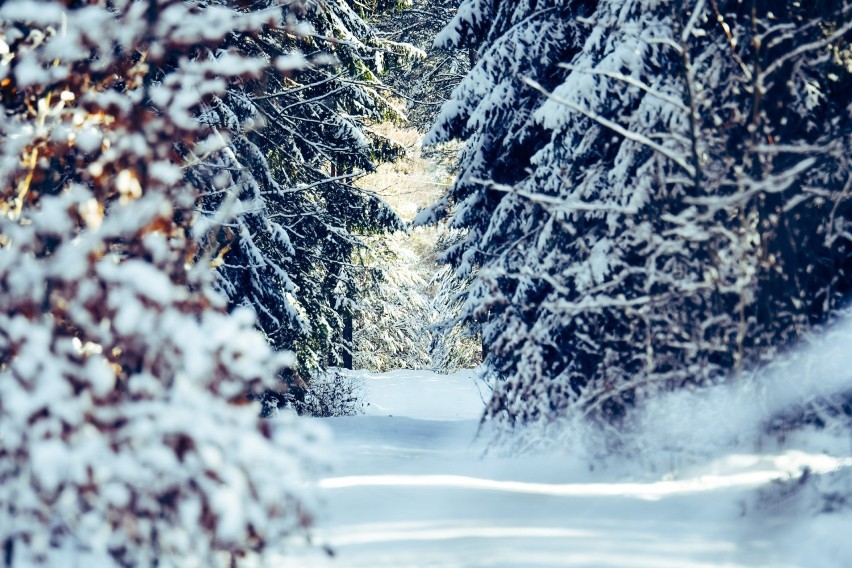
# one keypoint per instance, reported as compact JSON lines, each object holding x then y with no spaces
{"x":812,"y":46}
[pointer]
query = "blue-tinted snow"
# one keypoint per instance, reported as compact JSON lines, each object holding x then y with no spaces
{"x":413,"y":488}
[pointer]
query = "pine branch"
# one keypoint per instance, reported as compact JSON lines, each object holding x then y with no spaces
{"x":634,"y":136}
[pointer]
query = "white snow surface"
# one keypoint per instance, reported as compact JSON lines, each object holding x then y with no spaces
{"x":413,"y":488}
{"x":424,"y":396}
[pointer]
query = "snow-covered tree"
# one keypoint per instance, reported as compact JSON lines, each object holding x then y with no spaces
{"x":404,"y":319}
{"x":124,"y":434}
{"x":299,"y":138}
{"x":391,"y":325}
{"x":655,"y":193}
{"x":491,"y":108}
{"x":427,"y":82}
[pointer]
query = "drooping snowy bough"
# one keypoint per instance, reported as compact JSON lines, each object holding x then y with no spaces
{"x":298,"y":140}
{"x":124,"y":434}
{"x":655,"y":193}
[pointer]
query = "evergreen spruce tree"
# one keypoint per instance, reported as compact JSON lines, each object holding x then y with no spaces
{"x":428,"y":81}
{"x":491,"y":109}
{"x":299,"y":136}
{"x":675,"y":212}
{"x":392,"y":320}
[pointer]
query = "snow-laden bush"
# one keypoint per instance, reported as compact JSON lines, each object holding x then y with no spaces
{"x":328,"y":393}
{"x":124,"y":436}
{"x":332,"y":393}
{"x":802,"y":392}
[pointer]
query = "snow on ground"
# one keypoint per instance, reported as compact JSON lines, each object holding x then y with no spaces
{"x":411,"y":488}
{"x":425,"y":396}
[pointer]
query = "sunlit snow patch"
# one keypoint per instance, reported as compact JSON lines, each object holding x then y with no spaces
{"x":786,"y":466}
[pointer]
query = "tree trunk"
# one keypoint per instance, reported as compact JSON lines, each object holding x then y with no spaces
{"x":347,"y":341}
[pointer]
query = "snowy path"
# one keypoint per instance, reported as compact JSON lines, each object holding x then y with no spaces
{"x":410,"y":491}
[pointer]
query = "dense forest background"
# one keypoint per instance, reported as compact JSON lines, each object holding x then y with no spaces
{"x":619,"y":198}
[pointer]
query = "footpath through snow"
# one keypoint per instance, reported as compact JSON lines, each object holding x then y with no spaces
{"x":410,"y":488}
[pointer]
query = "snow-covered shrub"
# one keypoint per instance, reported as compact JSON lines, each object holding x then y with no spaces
{"x":124,"y":434}
{"x":331,"y":393}
{"x":326,"y":393}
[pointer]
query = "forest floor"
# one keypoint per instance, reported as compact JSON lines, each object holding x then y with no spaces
{"x":411,"y":488}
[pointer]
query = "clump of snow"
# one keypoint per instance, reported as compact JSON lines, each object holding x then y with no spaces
{"x":291,"y":61}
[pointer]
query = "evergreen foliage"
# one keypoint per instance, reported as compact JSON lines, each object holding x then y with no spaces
{"x":392,"y":320}
{"x":124,"y":434}
{"x":655,"y":194}
{"x":299,"y":137}
{"x":427,"y":81}
{"x":405,"y":318}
